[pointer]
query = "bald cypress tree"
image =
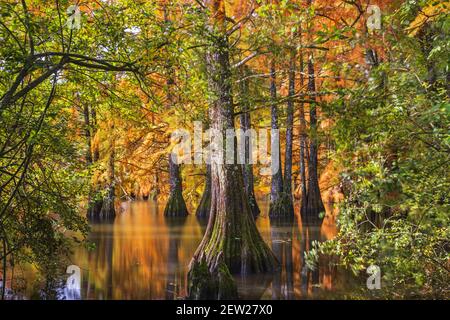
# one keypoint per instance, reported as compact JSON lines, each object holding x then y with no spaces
{"x":231,"y":238}
{"x":175,"y":206}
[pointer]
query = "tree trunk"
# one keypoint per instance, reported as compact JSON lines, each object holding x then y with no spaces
{"x":108,"y":210}
{"x":287,"y":187}
{"x":231,"y":235}
{"x":95,"y":200}
{"x":95,"y":148}
{"x":279,"y":201}
{"x":314,"y":204}
{"x":247,"y":169}
{"x":176,"y":206}
{"x":87,"y":133}
{"x":205,"y":203}
{"x":303,"y":137}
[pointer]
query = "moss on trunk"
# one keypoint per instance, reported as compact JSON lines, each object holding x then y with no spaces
{"x":231,"y":230}
{"x":175,"y":207}
{"x":214,"y":282}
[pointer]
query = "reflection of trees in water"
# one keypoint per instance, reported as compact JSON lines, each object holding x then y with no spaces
{"x":310,"y":232}
{"x":324,"y":272}
{"x":141,"y":256}
{"x":145,"y":256}
{"x":100,"y":274}
{"x":174,"y":225}
{"x":281,"y":238}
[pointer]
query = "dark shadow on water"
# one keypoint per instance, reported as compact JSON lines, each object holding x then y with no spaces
{"x":101,"y":258}
{"x":310,"y":232}
{"x":281,"y":231}
{"x":174,"y":225}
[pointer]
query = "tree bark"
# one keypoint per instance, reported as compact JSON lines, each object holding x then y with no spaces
{"x":287,"y":187}
{"x":87,"y":133}
{"x":314,"y":204}
{"x":303,"y":137}
{"x":176,"y":206}
{"x":95,"y":202}
{"x":247,"y":169}
{"x":280,"y":205}
{"x":108,"y":210}
{"x":231,"y":232}
{"x":95,"y":148}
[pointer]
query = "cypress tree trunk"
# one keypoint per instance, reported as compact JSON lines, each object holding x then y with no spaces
{"x":279,"y":201}
{"x":95,"y":200}
{"x":303,"y":137}
{"x":87,"y":133}
{"x":287,"y":187}
{"x":95,"y":148}
{"x":176,"y":206}
{"x":314,"y":204}
{"x":205,"y":203}
{"x":247,"y":169}
{"x":231,"y":238}
{"x":154,"y":192}
{"x":108,"y":210}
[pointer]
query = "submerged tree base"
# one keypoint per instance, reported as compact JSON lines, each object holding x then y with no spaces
{"x":231,"y":230}
{"x":282,"y":208}
{"x":94,"y":209}
{"x":103,"y":209}
{"x":176,"y":207}
{"x":214,"y":282}
{"x":108,"y":211}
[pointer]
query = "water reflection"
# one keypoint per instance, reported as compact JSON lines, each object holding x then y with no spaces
{"x":143,"y":255}
{"x":281,"y":238}
{"x":310,"y":232}
{"x":174,"y":225}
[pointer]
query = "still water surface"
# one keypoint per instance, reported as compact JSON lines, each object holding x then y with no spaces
{"x":143,"y":255}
